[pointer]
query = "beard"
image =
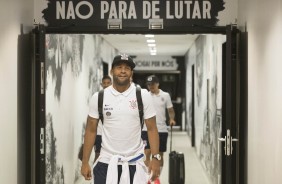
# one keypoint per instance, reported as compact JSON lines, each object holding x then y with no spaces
{"x":119,"y":82}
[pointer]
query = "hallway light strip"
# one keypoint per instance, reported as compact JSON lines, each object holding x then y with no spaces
{"x":149,"y":36}
{"x":151,"y":44}
{"x":151,"y":41}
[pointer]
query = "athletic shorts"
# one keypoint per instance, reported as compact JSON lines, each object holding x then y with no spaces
{"x":97,"y":144}
{"x":100,"y":173}
{"x":163,"y":140}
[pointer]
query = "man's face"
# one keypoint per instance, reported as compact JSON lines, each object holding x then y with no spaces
{"x":153,"y":87}
{"x":105,"y":83}
{"x":121,"y":74}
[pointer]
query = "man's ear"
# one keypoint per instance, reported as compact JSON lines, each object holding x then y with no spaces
{"x":111,"y":72}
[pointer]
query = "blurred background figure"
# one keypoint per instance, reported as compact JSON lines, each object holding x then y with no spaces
{"x":161,"y":101}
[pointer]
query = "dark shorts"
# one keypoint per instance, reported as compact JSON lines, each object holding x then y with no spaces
{"x":163,"y":140}
{"x":97,"y":144}
{"x":100,"y":173}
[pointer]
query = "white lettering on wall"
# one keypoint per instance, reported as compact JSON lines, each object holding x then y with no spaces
{"x":104,"y":8}
{"x":155,"y":10}
{"x":118,"y":10}
{"x":196,"y":11}
{"x":189,"y":6}
{"x":151,"y":10}
{"x":155,"y":63}
{"x":146,"y":9}
{"x":90,"y":13}
{"x":60,"y":10}
{"x":126,"y":10}
{"x":206,"y":9}
{"x":72,"y":11}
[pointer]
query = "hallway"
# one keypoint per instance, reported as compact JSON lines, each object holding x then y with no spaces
{"x":194,"y":172}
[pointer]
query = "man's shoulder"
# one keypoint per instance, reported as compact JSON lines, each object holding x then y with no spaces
{"x":144,"y":91}
{"x":163,"y":92}
{"x":107,"y":90}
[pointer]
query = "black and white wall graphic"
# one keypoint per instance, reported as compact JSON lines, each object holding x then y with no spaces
{"x":206,"y":56}
{"x":74,"y":69}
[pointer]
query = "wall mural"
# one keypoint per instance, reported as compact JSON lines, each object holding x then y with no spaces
{"x":199,"y":69}
{"x":74,"y":69}
{"x":208,"y":98}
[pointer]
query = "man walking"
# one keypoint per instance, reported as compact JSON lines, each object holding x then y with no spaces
{"x":122,"y":152}
{"x":161,"y":101}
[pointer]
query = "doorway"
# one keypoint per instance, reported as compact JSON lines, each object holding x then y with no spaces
{"x":64,"y":64}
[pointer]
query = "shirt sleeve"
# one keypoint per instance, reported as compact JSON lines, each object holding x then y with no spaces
{"x":149,"y":110}
{"x":168,"y":101}
{"x":93,"y":106}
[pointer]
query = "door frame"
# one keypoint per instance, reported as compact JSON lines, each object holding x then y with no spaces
{"x":234,"y":107}
{"x":230,"y":165}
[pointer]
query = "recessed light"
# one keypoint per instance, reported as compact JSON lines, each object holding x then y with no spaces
{"x":151,"y":45}
{"x":149,"y":36}
{"x":151,"y":41}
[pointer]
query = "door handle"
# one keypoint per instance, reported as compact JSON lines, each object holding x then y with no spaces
{"x":228,"y":143}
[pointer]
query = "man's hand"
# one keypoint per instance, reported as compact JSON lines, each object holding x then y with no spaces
{"x":86,"y":171}
{"x":172,"y":122}
{"x":154,"y":169}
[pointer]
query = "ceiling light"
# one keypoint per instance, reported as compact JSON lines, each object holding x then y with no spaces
{"x":149,"y":36}
{"x":151,"y":41}
{"x":151,"y":45}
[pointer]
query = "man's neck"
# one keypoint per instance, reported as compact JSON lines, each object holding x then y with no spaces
{"x":156,"y":92}
{"x":122,"y":88}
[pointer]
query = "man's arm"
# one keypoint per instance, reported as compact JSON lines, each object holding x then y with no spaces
{"x":171,"y":115}
{"x":153,"y":136}
{"x":89,"y":139}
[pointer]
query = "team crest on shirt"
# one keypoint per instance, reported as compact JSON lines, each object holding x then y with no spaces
{"x":108,"y":113}
{"x":162,"y":99}
{"x":133,"y":104}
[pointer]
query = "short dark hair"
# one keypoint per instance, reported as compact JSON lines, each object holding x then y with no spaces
{"x":106,"y":77}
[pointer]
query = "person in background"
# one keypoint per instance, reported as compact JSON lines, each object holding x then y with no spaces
{"x":161,"y":101}
{"x":106,"y":82}
{"x":121,"y":158}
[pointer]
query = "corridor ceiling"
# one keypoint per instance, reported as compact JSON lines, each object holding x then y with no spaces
{"x":166,"y":45}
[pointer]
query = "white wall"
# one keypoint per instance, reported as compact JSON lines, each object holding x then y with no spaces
{"x":264,"y":26}
{"x":12,"y":14}
{"x":205,"y":55}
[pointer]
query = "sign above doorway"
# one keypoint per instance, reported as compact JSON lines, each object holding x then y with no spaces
{"x":110,"y":14}
{"x":155,"y":63}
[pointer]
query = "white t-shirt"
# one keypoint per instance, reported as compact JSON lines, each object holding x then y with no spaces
{"x":161,"y":101}
{"x":121,"y":131}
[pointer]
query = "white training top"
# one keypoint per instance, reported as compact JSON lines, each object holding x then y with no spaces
{"x":121,"y":129}
{"x":161,"y":101}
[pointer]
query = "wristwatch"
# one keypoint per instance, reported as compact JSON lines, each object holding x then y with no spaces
{"x":157,"y":156}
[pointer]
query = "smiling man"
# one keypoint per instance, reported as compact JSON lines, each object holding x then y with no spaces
{"x":122,"y":152}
